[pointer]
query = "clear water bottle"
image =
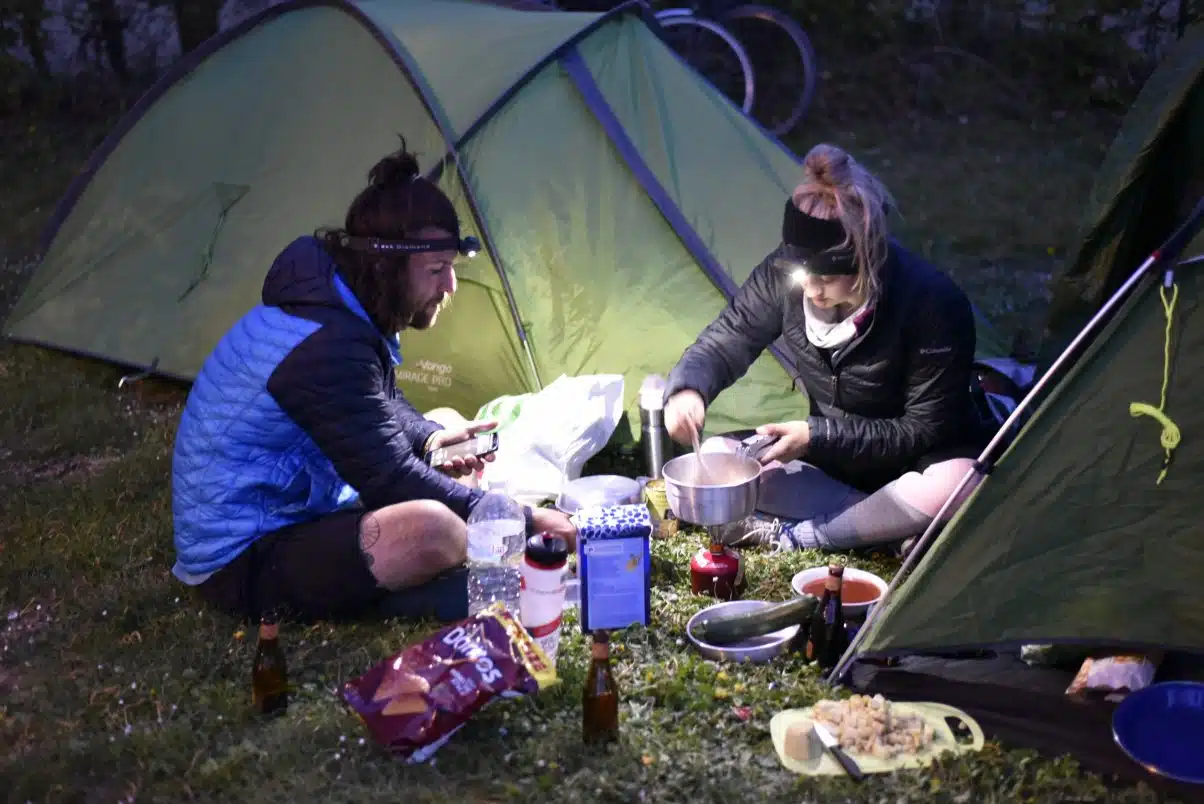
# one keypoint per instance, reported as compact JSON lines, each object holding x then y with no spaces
{"x":497,"y":535}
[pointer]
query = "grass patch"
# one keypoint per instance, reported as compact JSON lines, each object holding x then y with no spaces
{"x":119,"y":682}
{"x":118,"y":685}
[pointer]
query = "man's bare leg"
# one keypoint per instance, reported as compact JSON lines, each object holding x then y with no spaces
{"x":410,"y":543}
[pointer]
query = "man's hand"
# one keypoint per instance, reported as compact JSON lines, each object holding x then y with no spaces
{"x":459,"y":467}
{"x":555,"y":523}
{"x":793,"y":438}
{"x":685,"y":415}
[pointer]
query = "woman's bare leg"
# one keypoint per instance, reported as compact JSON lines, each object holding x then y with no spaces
{"x":899,"y":510}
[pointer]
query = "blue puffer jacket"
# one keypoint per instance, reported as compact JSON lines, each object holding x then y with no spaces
{"x":296,"y":415}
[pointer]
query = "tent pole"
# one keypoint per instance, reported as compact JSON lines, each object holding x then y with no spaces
{"x":1167,"y":253}
{"x":491,"y":250}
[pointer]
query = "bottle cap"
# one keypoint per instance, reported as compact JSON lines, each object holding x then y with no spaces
{"x":652,"y":392}
{"x":547,"y":551}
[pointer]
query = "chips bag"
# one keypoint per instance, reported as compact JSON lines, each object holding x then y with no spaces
{"x":414,"y":701}
{"x":1115,"y":675}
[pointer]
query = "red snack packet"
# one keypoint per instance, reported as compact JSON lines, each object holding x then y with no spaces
{"x":414,"y":701}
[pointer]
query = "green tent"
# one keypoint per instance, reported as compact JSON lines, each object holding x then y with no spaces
{"x":1072,"y":538}
{"x":1150,"y":177}
{"x":620,"y":197}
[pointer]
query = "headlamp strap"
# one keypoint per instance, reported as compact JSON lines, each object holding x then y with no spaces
{"x":468,"y":246}
{"x":815,"y":243}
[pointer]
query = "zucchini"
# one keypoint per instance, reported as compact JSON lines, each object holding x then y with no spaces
{"x":740,"y":627}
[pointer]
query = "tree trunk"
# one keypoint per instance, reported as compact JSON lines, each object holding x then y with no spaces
{"x":30,"y":14}
{"x":197,"y":20}
{"x":111,"y":30}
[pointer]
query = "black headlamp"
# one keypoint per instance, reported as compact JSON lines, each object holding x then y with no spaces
{"x":466,"y":246}
{"x":814,"y":245}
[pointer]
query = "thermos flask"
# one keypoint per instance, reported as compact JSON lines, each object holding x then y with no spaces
{"x":653,"y":436}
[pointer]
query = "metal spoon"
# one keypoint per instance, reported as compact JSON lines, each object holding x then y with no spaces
{"x":702,"y":468}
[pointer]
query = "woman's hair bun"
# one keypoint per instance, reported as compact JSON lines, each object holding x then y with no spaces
{"x":828,"y":166}
{"x":400,"y":167}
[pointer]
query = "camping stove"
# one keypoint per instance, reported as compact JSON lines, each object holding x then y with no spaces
{"x":729,"y":499}
{"x":717,"y":570}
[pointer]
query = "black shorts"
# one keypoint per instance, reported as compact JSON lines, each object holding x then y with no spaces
{"x":317,"y":571}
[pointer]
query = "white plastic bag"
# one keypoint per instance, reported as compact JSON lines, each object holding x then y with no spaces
{"x":556,"y":432}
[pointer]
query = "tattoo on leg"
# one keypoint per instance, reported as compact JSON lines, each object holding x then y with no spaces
{"x":369,"y":536}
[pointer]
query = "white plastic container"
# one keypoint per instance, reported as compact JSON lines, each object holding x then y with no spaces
{"x":541,"y":598}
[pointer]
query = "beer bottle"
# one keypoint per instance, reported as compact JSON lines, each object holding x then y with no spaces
{"x":269,"y":680}
{"x":600,"y":699}
{"x":827,"y":637}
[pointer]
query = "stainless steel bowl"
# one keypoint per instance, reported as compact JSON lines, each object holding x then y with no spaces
{"x":593,"y":490}
{"x":729,"y":497}
{"x":757,"y":649}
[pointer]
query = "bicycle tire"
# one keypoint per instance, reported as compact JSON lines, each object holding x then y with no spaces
{"x":806,"y":55}
{"x":675,"y":17}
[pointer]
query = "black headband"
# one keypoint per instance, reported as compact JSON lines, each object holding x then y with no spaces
{"x":468,"y":246}
{"x":814,"y":244}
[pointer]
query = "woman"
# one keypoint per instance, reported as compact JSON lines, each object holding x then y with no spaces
{"x":883,"y":345}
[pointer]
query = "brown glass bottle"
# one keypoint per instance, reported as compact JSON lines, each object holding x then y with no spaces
{"x":826,"y":634}
{"x":269,"y":678}
{"x":600,"y":699}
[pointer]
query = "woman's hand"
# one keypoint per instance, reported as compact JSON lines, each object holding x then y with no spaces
{"x":555,"y":523}
{"x":460,"y":467}
{"x":685,"y":415}
{"x":793,"y":438}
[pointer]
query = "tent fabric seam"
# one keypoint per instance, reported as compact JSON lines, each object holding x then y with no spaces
{"x":600,"y":108}
{"x":477,"y":125}
{"x":180,"y":71}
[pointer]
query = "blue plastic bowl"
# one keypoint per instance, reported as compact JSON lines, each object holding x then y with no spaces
{"x":1162,"y":729}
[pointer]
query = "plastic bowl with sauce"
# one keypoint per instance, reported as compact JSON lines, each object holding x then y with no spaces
{"x":859,"y":591}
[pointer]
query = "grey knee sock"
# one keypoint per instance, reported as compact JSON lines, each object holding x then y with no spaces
{"x":880,"y":518}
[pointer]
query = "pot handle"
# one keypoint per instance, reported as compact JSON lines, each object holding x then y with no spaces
{"x":755,"y":445}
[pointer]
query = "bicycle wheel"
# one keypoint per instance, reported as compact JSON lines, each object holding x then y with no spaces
{"x":712,"y":51}
{"x":785,"y":65}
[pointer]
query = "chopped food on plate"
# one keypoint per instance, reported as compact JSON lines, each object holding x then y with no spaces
{"x":872,"y":726}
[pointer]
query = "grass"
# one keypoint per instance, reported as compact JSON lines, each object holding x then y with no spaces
{"x":115,"y":684}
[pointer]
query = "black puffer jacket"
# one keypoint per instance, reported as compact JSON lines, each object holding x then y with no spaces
{"x":898,"y":392}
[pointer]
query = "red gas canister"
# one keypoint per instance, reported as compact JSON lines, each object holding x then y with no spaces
{"x":717,"y":571}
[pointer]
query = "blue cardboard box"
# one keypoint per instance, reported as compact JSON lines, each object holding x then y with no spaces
{"x":614,"y":565}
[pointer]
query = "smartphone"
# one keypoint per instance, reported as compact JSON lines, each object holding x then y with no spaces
{"x":479,"y":446}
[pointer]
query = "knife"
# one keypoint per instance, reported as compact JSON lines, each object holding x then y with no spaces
{"x":833,"y":746}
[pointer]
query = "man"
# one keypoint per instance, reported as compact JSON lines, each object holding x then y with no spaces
{"x":300,"y":473}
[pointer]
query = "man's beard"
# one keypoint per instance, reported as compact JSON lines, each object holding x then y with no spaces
{"x":424,"y":317}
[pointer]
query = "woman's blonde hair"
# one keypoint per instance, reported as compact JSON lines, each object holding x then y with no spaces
{"x":836,"y":186}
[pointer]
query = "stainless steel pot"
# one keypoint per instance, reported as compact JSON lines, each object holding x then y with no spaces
{"x":731,"y":494}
